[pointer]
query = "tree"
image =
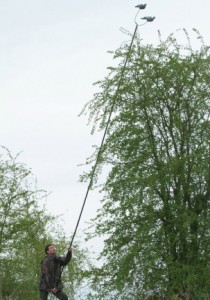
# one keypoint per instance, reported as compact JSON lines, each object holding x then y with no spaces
{"x":155,"y":209}
{"x":25,"y":229}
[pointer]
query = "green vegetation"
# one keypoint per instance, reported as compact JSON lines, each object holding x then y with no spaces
{"x":156,"y":206}
{"x":25,"y":230}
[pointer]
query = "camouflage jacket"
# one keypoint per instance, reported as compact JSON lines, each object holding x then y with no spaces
{"x":51,"y":271}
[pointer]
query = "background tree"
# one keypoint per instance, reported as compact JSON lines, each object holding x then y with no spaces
{"x":155,"y":213}
{"x":25,"y":229}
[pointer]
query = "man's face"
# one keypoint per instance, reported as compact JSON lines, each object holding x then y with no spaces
{"x":51,"y":250}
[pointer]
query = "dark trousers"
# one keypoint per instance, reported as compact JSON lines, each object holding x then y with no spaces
{"x":59,"y":295}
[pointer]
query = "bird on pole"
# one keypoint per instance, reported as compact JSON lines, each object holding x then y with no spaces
{"x":141,"y":6}
{"x":148,"y":19}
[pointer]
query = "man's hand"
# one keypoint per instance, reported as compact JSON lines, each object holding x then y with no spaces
{"x":70,"y":249}
{"x":54,"y":290}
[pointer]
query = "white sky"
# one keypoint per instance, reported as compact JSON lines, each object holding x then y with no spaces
{"x":51,"y":52}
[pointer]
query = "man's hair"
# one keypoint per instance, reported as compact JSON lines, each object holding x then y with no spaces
{"x":46,"y":248}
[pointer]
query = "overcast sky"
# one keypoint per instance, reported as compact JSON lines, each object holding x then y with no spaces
{"x":51,"y":52}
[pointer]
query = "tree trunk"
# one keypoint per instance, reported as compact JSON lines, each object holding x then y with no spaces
{"x":1,"y":298}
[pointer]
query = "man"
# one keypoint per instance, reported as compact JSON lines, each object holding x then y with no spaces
{"x":50,"y":280}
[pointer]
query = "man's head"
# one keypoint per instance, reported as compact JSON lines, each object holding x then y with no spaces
{"x":50,"y":249}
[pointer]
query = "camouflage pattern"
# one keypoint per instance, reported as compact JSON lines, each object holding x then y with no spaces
{"x":51,"y":270}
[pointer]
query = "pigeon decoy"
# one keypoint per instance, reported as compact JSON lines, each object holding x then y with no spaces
{"x":141,"y":6}
{"x":148,"y":19}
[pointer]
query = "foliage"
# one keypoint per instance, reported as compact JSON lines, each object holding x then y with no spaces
{"x":25,"y":230}
{"x":156,"y":213}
